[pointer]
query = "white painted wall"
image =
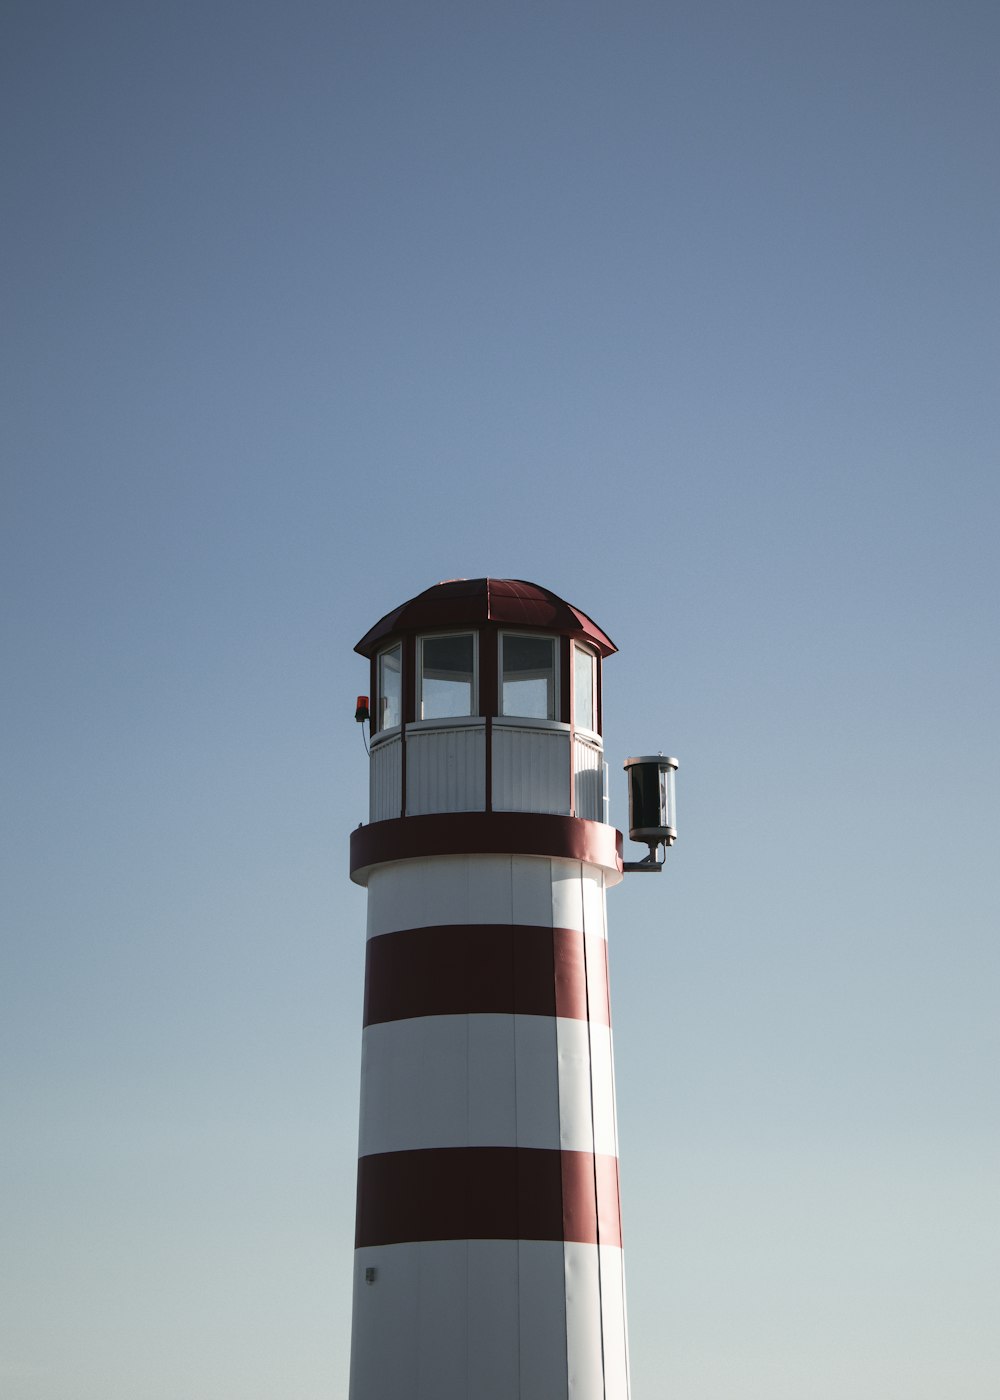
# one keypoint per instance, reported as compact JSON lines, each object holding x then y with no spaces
{"x":487,"y":1081}
{"x":385,"y":780}
{"x":476,"y":1320}
{"x":531,"y":771}
{"x":588,"y":779}
{"x":487,"y":889}
{"x":489,"y":1319}
{"x":445,"y":769}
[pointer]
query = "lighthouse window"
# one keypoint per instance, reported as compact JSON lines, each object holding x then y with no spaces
{"x":528,"y":666}
{"x":447,"y":676}
{"x":584,"y":688}
{"x":389,"y":688}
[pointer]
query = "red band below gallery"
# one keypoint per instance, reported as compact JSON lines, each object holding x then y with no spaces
{"x":508,"y":969}
{"x":485,"y":833}
{"x":487,"y":1193}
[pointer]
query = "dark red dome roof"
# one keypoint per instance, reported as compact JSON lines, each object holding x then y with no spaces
{"x":465,"y":602}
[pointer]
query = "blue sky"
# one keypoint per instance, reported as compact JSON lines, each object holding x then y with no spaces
{"x":688,"y":312}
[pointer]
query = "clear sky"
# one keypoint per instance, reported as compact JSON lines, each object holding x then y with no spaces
{"x":686,"y":311}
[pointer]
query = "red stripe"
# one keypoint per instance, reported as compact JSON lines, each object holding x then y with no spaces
{"x":455,"y":969}
{"x":487,"y":1193}
{"x":485,"y":833}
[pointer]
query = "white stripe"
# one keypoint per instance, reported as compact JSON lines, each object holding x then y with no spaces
{"x":603,"y":1090}
{"x":584,"y":1345}
{"x":537,"y":1081}
{"x":596,"y":1341}
{"x":595,"y":915}
{"x":454,"y":1319}
{"x":388,"y":1309}
{"x":531,"y":891}
{"x":541,"y":1276}
{"x":486,"y":1081}
{"x":442,"y":1322}
{"x":586,"y":1102}
{"x":576,"y":1120}
{"x":492,"y":1358}
{"x":567,"y":894}
{"x":493,"y":1319}
{"x":486,"y":890}
{"x":613,"y":1323}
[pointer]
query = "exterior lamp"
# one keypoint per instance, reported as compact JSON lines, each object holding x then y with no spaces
{"x":652,"y":810}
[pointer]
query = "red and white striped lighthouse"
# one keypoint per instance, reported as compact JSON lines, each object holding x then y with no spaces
{"x":488,"y":1245}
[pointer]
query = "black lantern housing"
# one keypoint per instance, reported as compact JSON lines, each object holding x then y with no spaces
{"x":652,"y":815}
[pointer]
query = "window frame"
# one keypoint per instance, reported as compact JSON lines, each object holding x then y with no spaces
{"x":473,"y":712}
{"x":595,"y":728}
{"x":553,"y":639}
{"x":380,"y":693}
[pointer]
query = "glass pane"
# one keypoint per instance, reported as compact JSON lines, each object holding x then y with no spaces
{"x":389,"y":688}
{"x":529,"y":677}
{"x":447,"y":676}
{"x":583,"y":688}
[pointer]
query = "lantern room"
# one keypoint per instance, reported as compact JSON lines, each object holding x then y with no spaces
{"x":486,"y":696}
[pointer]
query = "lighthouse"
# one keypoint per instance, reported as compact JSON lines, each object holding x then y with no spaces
{"x":488,"y":1261}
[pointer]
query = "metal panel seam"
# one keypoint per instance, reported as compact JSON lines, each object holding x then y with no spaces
{"x":593,"y":1128}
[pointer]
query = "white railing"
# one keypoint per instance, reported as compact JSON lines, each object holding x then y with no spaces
{"x":588,"y":779}
{"x":385,"y":780}
{"x":445,"y":768}
{"x":534,"y":770}
{"x":531,"y":771}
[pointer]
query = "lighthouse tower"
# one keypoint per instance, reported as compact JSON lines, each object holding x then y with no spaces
{"x":488,"y":1242}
